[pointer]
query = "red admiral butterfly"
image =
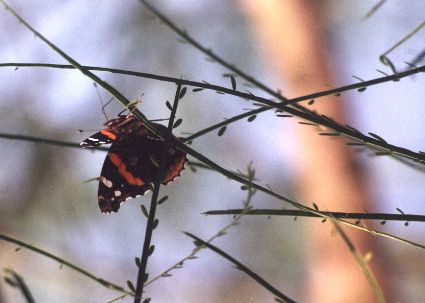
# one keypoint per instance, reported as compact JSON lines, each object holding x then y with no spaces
{"x":132,"y":161}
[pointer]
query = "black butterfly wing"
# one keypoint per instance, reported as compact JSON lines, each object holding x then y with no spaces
{"x":176,"y":160}
{"x":115,"y":128}
{"x":131,"y":166}
{"x":118,"y":181}
{"x":128,"y":171}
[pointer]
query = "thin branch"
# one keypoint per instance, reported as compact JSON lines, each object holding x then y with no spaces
{"x":417,"y":59}
{"x":384,"y":147}
{"x":329,"y":92}
{"x":243,"y":268}
{"x":20,"y":137}
{"x":221,"y":232}
{"x":117,"y":299}
{"x":368,"y":230}
{"x":384,"y":57}
{"x":404,"y":39}
{"x":15,"y":280}
{"x":362,"y":262}
{"x":207,"y":51}
{"x":240,"y":179}
{"x":63,"y":262}
{"x":338,"y":215}
{"x":83,"y":70}
{"x":306,"y":114}
{"x":61,"y":143}
{"x":142,"y":274}
{"x":300,"y":110}
{"x":375,"y":8}
{"x":226,"y":122}
{"x":229,"y":174}
{"x":388,"y":149}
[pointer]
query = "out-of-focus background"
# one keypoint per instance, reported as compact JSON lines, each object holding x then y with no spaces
{"x":45,"y":201}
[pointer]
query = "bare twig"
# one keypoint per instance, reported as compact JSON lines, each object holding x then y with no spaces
{"x":384,"y":57}
{"x":63,"y":262}
{"x":301,"y":112}
{"x":338,"y":215}
{"x":329,"y":92}
{"x":296,"y":109}
{"x":243,"y":268}
{"x":362,"y":262}
{"x":375,"y":8}
{"x":384,"y":147}
{"x":142,"y":274}
{"x":221,"y":232}
{"x":47,"y":141}
{"x":15,"y":280}
{"x":293,"y":203}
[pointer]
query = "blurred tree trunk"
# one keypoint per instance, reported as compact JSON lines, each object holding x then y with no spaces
{"x":292,"y":35}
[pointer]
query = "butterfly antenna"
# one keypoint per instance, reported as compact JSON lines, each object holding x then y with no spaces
{"x":101,"y":102}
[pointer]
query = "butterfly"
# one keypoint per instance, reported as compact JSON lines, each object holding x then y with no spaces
{"x":132,"y":162}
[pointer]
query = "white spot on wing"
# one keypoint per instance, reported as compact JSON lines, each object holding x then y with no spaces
{"x":106,"y":182}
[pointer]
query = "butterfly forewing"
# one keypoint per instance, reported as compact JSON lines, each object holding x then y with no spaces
{"x":98,"y":139}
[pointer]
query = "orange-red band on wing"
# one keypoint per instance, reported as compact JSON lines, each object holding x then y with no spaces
{"x":122,"y":169}
{"x":108,"y":134}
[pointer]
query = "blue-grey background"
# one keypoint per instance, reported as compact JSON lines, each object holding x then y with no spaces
{"x":45,"y":201}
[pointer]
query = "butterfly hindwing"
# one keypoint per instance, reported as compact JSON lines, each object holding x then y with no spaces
{"x":116,"y":184}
